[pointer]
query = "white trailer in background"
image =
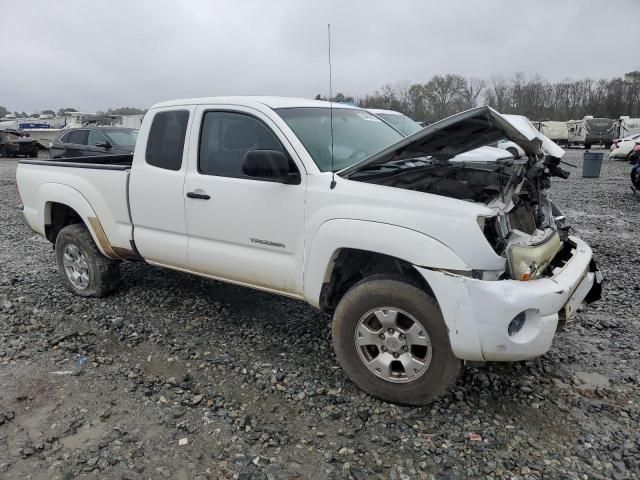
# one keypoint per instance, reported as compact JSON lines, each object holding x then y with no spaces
{"x":626,"y":126}
{"x":589,"y":131}
{"x":553,"y":130}
{"x":131,"y":121}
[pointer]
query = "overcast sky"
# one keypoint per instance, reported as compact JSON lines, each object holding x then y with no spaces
{"x":92,"y":55}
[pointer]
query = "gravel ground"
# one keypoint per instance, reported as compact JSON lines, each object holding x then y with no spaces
{"x":190,"y":378}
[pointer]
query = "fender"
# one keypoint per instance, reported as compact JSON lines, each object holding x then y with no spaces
{"x":58,"y":193}
{"x":400,"y":242}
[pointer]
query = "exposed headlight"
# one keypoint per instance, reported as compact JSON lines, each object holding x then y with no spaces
{"x":527,"y":262}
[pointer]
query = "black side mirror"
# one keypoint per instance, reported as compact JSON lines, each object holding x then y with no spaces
{"x":104,"y":145}
{"x":269,"y":165}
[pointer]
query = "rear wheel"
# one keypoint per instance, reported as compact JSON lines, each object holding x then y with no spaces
{"x":85,"y":270}
{"x":391,"y":340}
{"x":513,"y":152}
{"x":587,"y":146}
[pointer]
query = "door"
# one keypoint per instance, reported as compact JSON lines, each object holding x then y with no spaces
{"x":97,"y":144}
{"x":156,"y":188}
{"x":242,"y":229}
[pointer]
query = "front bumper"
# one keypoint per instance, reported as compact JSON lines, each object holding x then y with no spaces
{"x":478,"y":312}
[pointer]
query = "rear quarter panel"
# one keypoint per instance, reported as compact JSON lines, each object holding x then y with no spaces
{"x":101,"y":194}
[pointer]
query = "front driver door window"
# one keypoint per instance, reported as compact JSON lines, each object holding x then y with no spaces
{"x":253,"y":232}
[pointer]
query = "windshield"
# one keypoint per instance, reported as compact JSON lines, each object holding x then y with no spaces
{"x":401,"y":122}
{"x":123,"y":137}
{"x":356,"y":134}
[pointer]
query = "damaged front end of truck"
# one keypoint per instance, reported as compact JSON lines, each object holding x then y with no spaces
{"x":452,"y":158}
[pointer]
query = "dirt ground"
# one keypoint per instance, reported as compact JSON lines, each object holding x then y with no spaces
{"x":176,"y":376}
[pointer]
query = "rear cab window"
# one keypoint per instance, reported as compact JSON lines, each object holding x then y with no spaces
{"x":166,"y":139}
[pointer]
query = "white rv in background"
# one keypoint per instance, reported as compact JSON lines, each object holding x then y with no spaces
{"x":556,"y":131}
{"x":589,"y":131}
{"x":626,"y":126}
{"x":131,"y":121}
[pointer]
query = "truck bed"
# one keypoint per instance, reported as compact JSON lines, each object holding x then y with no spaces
{"x":96,"y":187}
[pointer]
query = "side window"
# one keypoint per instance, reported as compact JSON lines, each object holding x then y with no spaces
{"x":166,"y":139}
{"x":96,"y":138}
{"x":78,"y":137}
{"x":65,"y":138}
{"x":225,"y":137}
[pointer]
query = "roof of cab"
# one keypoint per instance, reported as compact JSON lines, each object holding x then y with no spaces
{"x":271,"y":102}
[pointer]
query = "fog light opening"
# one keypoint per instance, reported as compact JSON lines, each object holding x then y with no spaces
{"x":516,"y":324}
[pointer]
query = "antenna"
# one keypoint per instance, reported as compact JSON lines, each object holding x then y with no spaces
{"x":332,"y":185}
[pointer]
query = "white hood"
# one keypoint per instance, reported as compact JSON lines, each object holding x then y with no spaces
{"x":464,"y":132}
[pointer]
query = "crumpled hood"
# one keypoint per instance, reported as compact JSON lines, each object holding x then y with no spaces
{"x":462,"y":133}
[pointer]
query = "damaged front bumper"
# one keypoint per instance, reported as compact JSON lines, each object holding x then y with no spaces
{"x":508,"y":320}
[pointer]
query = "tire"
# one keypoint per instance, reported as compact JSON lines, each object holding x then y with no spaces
{"x":607,"y":146}
{"x":587,"y":146}
{"x":513,"y":152}
{"x":378,"y":292}
{"x":100,"y":275}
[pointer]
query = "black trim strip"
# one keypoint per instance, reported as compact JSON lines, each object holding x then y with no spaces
{"x":95,"y":166}
{"x":101,"y":159}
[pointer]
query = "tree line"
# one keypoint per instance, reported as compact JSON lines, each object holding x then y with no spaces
{"x":534,"y":97}
{"x":61,"y":112}
{"x":444,"y":95}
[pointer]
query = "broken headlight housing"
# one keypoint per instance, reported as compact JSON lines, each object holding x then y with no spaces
{"x":528,"y":262}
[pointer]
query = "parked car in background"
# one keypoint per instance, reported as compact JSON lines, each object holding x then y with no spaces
{"x":511,"y":147}
{"x":623,"y":147}
{"x":635,"y":171}
{"x":14,"y":143}
{"x":397,"y":120}
{"x":634,"y":156}
{"x":91,"y":141}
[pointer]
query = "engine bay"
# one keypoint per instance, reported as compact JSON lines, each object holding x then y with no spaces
{"x":527,"y":229}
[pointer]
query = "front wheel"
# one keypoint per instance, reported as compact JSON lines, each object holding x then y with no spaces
{"x":85,"y":270}
{"x":390,"y":338}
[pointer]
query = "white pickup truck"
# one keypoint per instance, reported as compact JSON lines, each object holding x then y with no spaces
{"x":425,"y":253}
